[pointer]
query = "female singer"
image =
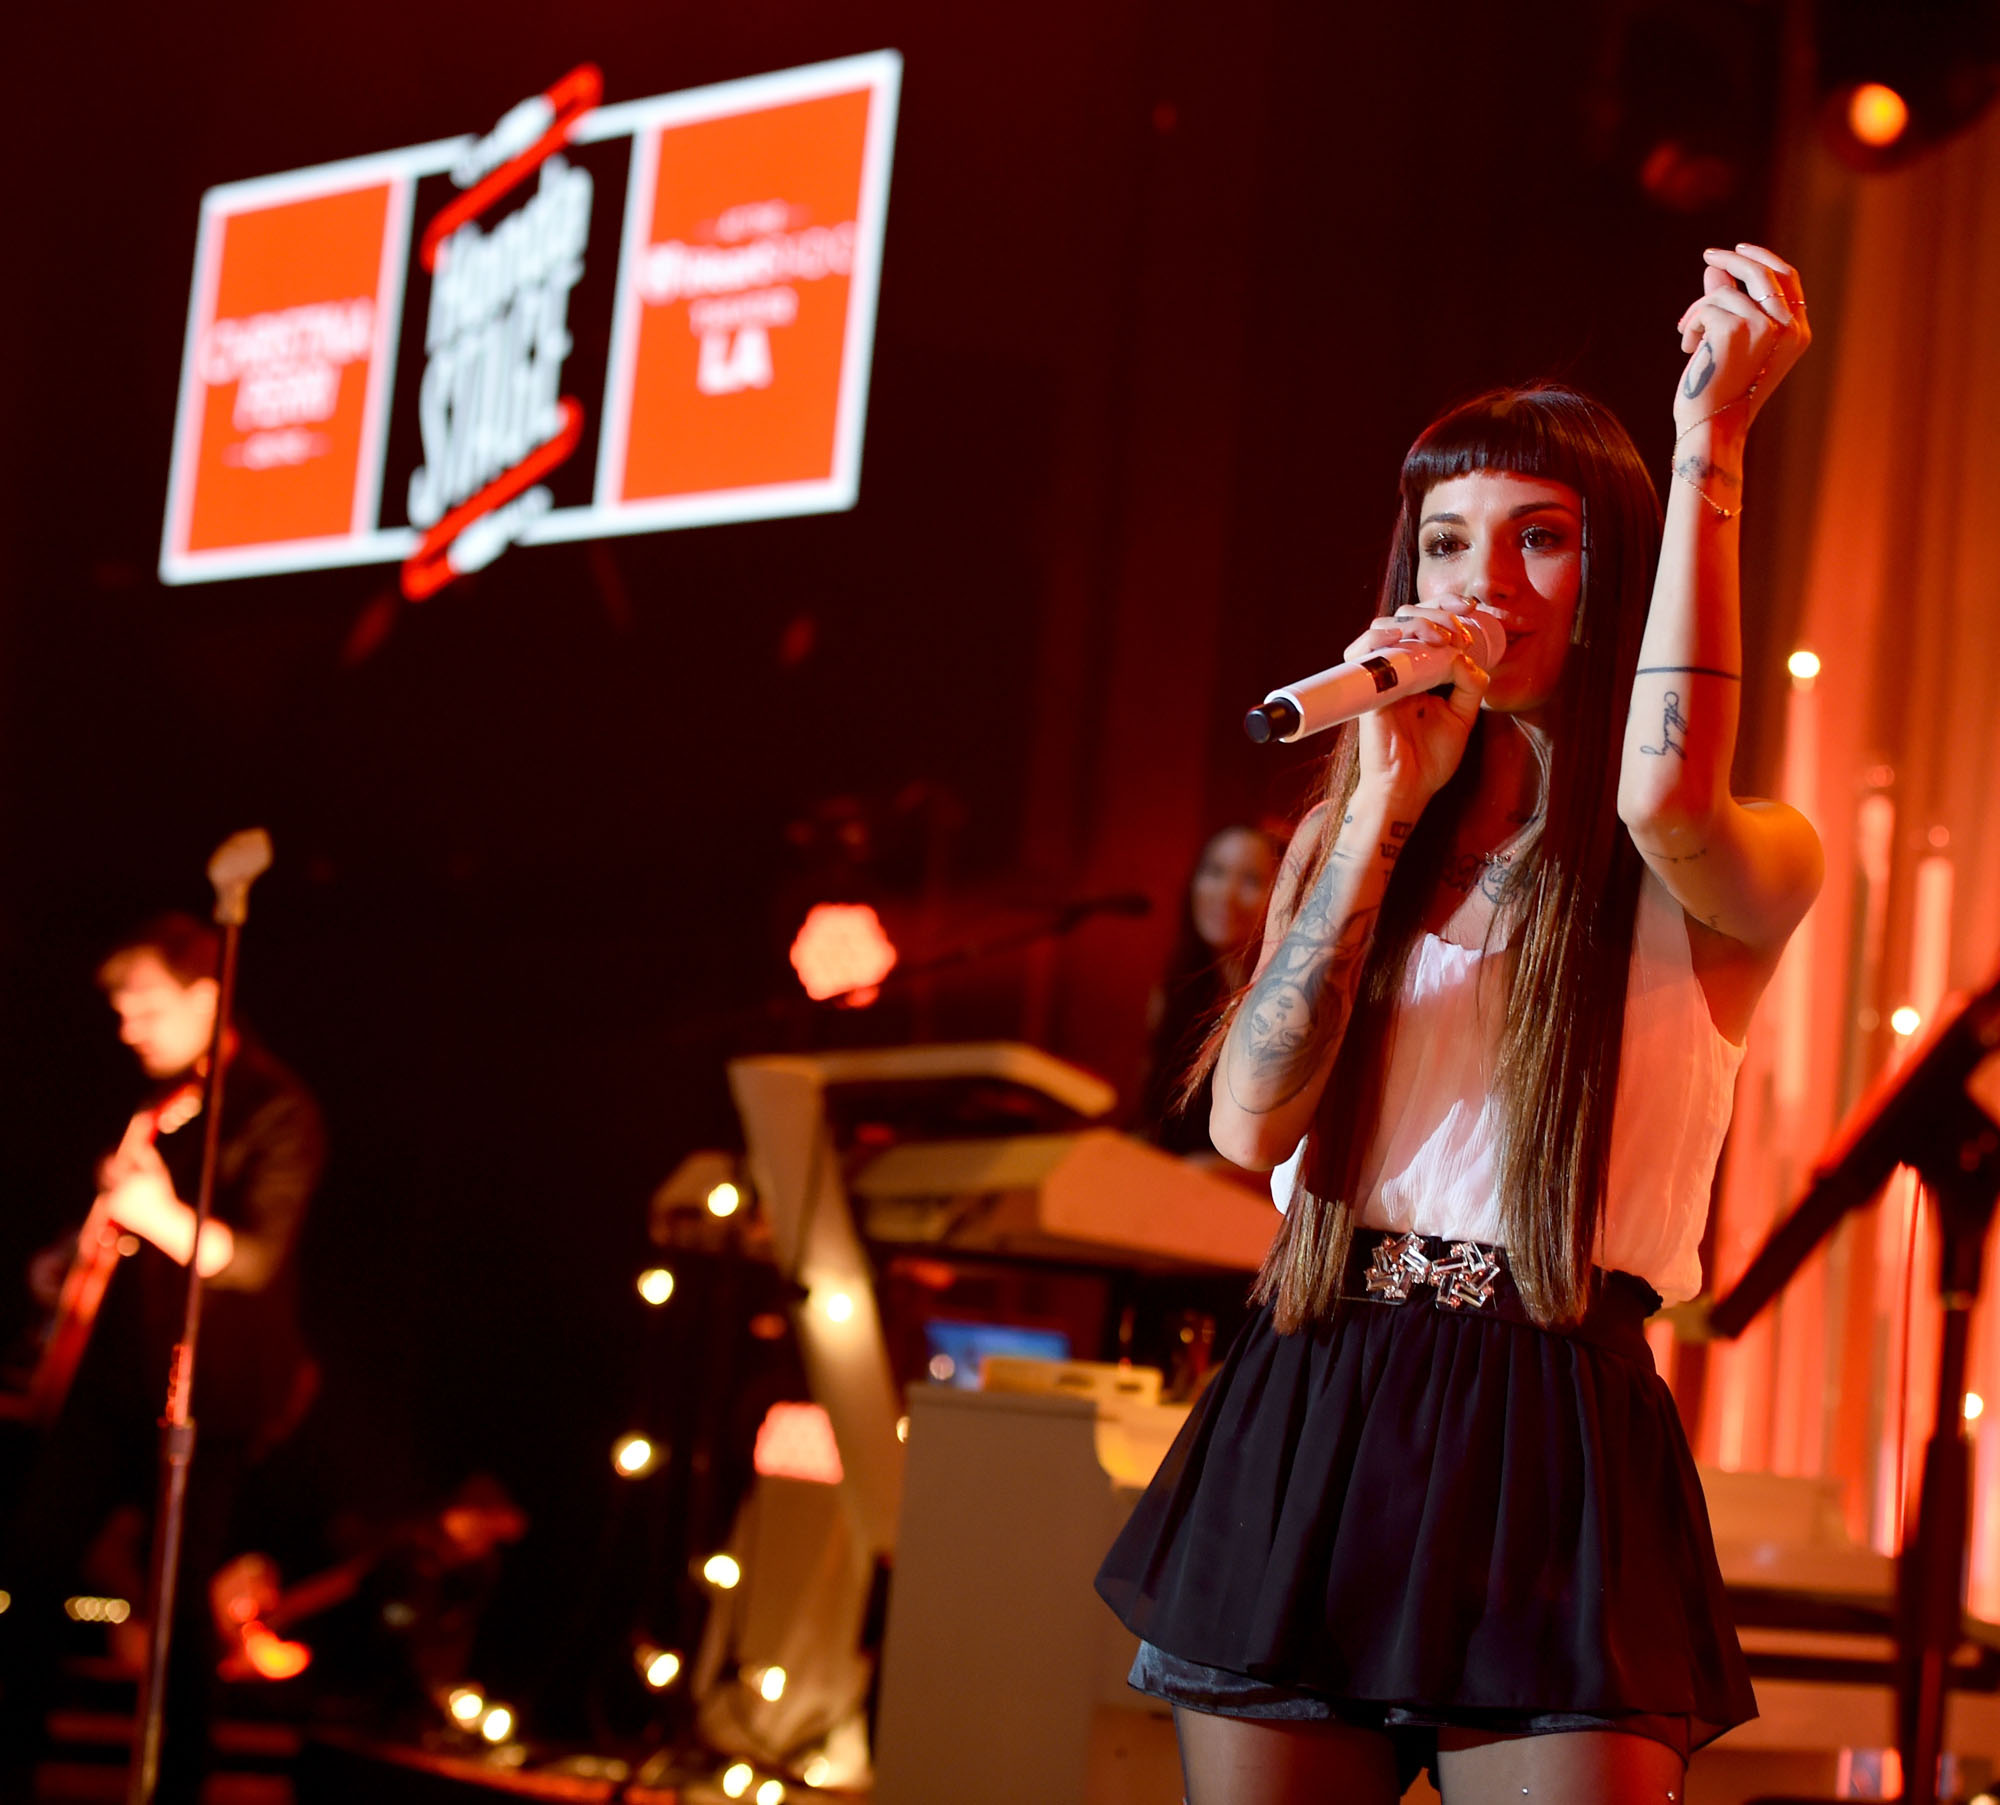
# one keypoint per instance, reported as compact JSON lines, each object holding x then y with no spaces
{"x":1436,"y":1508}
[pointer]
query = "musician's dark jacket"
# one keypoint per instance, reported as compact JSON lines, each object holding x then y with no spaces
{"x":250,"y":1350}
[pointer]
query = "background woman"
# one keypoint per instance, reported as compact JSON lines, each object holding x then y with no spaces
{"x":1437,"y":1507}
{"x":1214,"y":949}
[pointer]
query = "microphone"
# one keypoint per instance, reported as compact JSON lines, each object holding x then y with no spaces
{"x":235,"y":865}
{"x":1331,"y":696}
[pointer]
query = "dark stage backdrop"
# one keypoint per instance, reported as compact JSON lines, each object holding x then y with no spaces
{"x":1167,"y":289}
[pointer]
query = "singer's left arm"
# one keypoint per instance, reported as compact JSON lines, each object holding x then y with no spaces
{"x":1744,"y":868}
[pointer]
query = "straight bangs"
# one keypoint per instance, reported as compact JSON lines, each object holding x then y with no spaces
{"x":1523,"y":432}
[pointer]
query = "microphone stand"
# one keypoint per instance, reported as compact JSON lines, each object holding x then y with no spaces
{"x":1923,"y":1116}
{"x":237,"y":862}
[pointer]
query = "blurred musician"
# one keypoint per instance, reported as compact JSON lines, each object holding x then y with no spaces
{"x":102,"y":1450}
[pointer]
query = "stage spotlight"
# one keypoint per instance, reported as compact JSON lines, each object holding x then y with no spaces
{"x":466,"y":1705}
{"x":1803,"y":665}
{"x":656,"y":1285}
{"x":724,"y":1200}
{"x":1906,"y":1021}
{"x":634,"y":1456}
{"x":722,"y":1571}
{"x":772,"y":1792}
{"x":497,"y":1725}
{"x":1877,"y":115}
{"x":1898,"y":81}
{"x":736,"y":1779}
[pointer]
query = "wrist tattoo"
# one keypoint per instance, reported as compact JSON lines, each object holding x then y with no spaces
{"x":1687,"y":670}
{"x":1692,"y":467}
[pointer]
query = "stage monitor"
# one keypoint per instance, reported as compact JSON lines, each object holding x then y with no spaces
{"x":958,"y":1349}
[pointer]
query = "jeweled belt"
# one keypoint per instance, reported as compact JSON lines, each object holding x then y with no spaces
{"x":1461,"y":1275}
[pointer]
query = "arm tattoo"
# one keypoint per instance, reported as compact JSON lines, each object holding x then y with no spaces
{"x":1301,"y":1004}
{"x":1675,"y":722}
{"x":1699,"y":377}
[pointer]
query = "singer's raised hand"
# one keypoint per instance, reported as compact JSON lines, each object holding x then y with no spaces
{"x":1410,"y":749}
{"x":1743,"y":870}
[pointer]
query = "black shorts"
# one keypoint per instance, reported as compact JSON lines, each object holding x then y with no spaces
{"x":1412,"y":1732}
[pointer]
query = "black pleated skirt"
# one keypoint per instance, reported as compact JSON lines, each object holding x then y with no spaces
{"x":1451,"y":1513}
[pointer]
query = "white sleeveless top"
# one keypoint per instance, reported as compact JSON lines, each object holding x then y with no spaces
{"x":1434,"y":1164}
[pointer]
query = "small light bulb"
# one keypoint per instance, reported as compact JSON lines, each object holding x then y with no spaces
{"x":632,"y":1455}
{"x":6,"y":1600}
{"x":1803,"y":665}
{"x":818,"y":1771}
{"x":942,"y":1367}
{"x":839,"y":1306}
{"x":772,"y":1792}
{"x":659,"y":1667}
{"x":466,"y":1705}
{"x":497,"y":1725}
{"x":736,"y":1779}
{"x":1906,"y":1021}
{"x":722,"y":1571}
{"x":656,"y":1285}
{"x":772,"y":1685}
{"x":1877,"y":114}
{"x":902,"y":1428}
{"x":1975,"y":1406}
{"x":724,"y":1200}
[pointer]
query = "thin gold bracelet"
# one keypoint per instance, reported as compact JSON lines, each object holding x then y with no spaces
{"x":1721,"y":513}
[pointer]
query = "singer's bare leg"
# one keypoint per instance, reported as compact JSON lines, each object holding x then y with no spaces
{"x":1578,"y":1767}
{"x":1255,"y":1761}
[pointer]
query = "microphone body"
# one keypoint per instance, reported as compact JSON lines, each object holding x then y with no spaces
{"x":1346,"y":690}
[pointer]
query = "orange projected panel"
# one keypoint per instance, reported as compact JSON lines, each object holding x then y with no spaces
{"x":282,"y":357}
{"x":744,"y":282}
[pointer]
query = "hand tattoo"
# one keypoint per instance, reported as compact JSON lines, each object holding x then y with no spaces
{"x":1675,"y":722}
{"x":1699,"y":377}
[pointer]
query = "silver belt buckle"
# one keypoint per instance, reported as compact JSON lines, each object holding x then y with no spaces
{"x":1465,"y":1280}
{"x":1398,"y":1263}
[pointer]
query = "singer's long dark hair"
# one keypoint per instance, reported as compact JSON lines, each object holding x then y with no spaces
{"x":1572,"y":895}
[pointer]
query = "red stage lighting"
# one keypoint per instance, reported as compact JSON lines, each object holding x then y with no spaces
{"x":796,"y":1442}
{"x":842,"y":951}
